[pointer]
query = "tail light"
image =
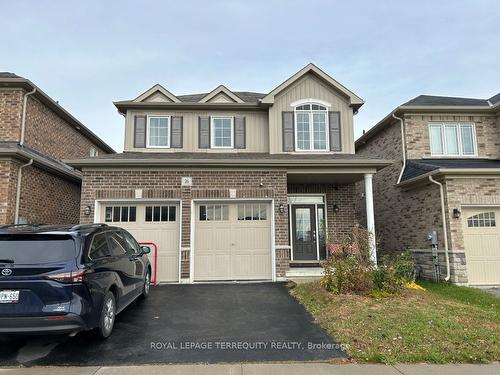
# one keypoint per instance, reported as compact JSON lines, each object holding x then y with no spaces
{"x":69,"y":277}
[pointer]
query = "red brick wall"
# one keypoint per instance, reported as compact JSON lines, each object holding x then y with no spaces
{"x":45,"y":198}
{"x":48,"y":133}
{"x":11,"y":103}
{"x":48,"y":199}
{"x":402,"y":218}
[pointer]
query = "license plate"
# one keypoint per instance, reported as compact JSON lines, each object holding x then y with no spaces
{"x":9,"y":296}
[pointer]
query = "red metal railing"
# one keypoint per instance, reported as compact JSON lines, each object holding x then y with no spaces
{"x":155,"y":260}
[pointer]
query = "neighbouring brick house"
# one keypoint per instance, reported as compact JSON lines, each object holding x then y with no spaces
{"x":235,"y":185}
{"x":454,"y":142}
{"x":36,"y":133}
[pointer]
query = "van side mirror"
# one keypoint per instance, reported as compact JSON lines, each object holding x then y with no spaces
{"x":145,"y":249}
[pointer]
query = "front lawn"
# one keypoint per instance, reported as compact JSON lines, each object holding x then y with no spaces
{"x":443,"y":324}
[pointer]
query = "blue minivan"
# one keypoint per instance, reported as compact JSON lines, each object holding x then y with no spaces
{"x":66,"y":279}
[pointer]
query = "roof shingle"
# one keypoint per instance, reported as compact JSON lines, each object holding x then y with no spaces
{"x":416,"y":168}
{"x":431,"y":100}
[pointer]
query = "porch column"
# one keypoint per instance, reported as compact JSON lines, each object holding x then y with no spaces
{"x":370,"y":217}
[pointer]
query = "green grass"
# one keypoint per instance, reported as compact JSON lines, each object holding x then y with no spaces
{"x":444,"y":324}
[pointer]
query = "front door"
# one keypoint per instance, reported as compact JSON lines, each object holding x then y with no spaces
{"x":304,"y":232}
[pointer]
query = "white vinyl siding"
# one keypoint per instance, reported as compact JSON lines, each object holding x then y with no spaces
{"x":222,"y":132}
{"x":452,"y":139}
{"x":158,"y":131}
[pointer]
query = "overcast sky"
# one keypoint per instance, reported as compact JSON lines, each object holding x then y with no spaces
{"x":87,"y":54}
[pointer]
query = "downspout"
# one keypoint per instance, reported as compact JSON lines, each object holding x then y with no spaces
{"x":403,"y":146}
{"x":21,"y":143}
{"x":445,"y":230}
{"x":23,"y":119}
{"x":18,"y":192}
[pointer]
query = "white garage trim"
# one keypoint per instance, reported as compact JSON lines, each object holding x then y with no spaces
{"x":231,"y":200}
{"x":99,"y":202}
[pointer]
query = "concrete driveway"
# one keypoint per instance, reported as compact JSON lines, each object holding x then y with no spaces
{"x":204,"y":323}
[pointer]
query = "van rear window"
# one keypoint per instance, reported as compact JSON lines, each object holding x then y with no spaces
{"x":36,"y":250}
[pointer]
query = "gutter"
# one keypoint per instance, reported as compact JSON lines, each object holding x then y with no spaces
{"x":23,"y":119}
{"x":18,"y":191}
{"x":445,"y":227}
{"x":403,"y":146}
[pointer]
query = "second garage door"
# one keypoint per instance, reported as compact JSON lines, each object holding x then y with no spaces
{"x":482,"y":245}
{"x":232,"y":241}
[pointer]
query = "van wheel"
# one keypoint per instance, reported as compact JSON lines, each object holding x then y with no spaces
{"x":107,"y":318}
{"x":147,"y":285}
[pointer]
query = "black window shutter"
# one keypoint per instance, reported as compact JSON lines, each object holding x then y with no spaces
{"x":140,"y":131}
{"x":176,"y":130}
{"x":288,"y":131}
{"x":204,"y":132}
{"x":335,"y":133}
{"x":239,"y":132}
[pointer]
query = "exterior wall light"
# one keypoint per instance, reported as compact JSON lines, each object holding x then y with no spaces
{"x":87,"y":210}
{"x":281,"y":208}
{"x":335,"y":208}
{"x":456,"y":213}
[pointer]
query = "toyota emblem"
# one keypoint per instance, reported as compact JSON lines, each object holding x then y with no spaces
{"x":6,"y":272}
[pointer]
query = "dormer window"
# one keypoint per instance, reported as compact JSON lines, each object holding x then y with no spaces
{"x":158,"y":132}
{"x":311,"y":130}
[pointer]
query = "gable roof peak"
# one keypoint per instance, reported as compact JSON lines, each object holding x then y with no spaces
{"x":157,"y":88}
{"x":218,"y":90}
{"x":355,"y":101}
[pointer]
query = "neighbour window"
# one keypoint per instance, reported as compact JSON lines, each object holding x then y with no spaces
{"x":94,"y":153}
{"x":222,"y":132}
{"x":252,"y":211}
{"x":214,"y":212}
{"x":484,"y":219}
{"x":311,"y":127}
{"x":158,"y":131}
{"x":118,"y":214}
{"x":452,"y":139}
{"x":160,"y":213}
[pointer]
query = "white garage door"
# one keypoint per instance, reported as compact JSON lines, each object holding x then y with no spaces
{"x":150,"y":222}
{"x":232,"y":241}
{"x":482,"y":245}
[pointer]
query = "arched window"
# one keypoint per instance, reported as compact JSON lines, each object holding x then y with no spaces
{"x":311,"y":127}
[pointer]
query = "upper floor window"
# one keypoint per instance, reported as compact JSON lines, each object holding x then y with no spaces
{"x":311,"y":127}
{"x":158,"y":131}
{"x":452,"y":139}
{"x":222,"y":130}
{"x":93,"y":152}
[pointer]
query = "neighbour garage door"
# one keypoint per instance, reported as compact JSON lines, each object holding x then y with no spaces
{"x":482,"y":245}
{"x":232,"y":241}
{"x":150,"y":222}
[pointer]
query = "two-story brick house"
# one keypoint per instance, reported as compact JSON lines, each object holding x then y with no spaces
{"x":35,"y":134}
{"x":446,"y":174}
{"x":234,"y":185}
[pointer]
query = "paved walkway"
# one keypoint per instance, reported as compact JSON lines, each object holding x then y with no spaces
{"x":264,"y":369}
